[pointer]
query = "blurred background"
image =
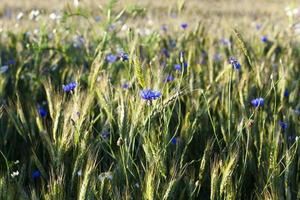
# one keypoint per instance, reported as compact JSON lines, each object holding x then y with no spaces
{"x":226,"y":12}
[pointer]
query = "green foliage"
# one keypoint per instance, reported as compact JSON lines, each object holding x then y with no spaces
{"x":202,"y":139}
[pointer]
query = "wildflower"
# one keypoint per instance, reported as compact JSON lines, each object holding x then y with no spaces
{"x":123,"y":56}
{"x":69,"y":87}
{"x":264,"y":39}
{"x":258,"y":26}
{"x":166,"y":52}
{"x":55,"y":16}
{"x":185,"y":64}
{"x":125,"y":86}
{"x":34,"y":14}
{"x":283,"y":125}
{"x":174,"y":140}
{"x":257,"y":102}
{"x":16,"y":173}
{"x":79,"y":173}
{"x":225,"y":42}
{"x":177,"y":67}
{"x":286,"y":93}
{"x":150,"y":95}
{"x":164,"y":27}
{"x":105,"y":135}
{"x":36,"y":174}
{"x":111,"y":58}
{"x":11,"y":62}
{"x":184,"y":26}
{"x":169,"y":78}
{"x":42,"y":112}
{"x":293,"y":138}
{"x":235,"y":64}
{"x":20,"y":16}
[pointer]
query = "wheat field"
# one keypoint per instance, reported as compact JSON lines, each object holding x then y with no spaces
{"x":132,"y":99}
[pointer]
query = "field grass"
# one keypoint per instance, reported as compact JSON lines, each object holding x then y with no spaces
{"x":221,"y":119}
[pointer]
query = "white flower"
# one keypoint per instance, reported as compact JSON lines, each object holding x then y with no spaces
{"x":34,"y":15}
{"x":20,"y":16}
{"x":290,"y":11}
{"x":55,"y":16}
{"x":14,"y":174}
{"x":79,"y":173}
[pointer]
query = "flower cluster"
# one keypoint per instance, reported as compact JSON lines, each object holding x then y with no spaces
{"x":283,"y":125}
{"x":169,"y":78}
{"x":235,"y":64}
{"x":150,"y":95}
{"x":69,"y":87}
{"x":184,"y":26}
{"x":111,"y":58}
{"x":258,"y":102}
{"x":123,"y":56}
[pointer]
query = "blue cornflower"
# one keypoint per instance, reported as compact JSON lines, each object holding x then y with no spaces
{"x":125,"y":86}
{"x":174,"y":140}
{"x":111,"y":58}
{"x":235,"y":64}
{"x":42,"y":112}
{"x":123,"y":56}
{"x":283,"y":125}
{"x":184,"y":26}
{"x":149,"y":95}
{"x":286,"y":93}
{"x":70,"y":87}
{"x":257,"y":102}
{"x":264,"y":39}
{"x":185,"y":64}
{"x":169,"y":78}
{"x":105,"y":135}
{"x":164,"y":27}
{"x":177,"y":67}
{"x":258,"y":26}
{"x":11,"y":62}
{"x":36,"y":174}
{"x":166,"y":52}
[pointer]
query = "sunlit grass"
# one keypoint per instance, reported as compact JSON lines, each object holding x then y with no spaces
{"x":225,"y":126}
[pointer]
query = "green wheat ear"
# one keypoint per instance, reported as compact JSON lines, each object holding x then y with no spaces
{"x":138,"y":73}
{"x":242,"y":46}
